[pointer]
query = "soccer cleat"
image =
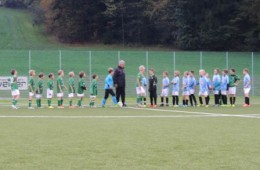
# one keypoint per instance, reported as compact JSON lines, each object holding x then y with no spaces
{"x":176,"y":106}
{"x":60,"y":107}
{"x":14,"y":107}
{"x":207,"y":106}
{"x":30,"y":108}
{"x":161,"y":105}
{"x":72,"y":107}
{"x":233,"y":105}
{"x":154,"y":106}
{"x":151,"y":106}
{"x":199,"y":105}
{"x":50,"y":107}
{"x":144,"y":105}
{"x":167,"y":105}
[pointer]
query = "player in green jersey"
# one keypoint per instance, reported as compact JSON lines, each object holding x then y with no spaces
{"x":71,"y":88}
{"x":50,"y":87}
{"x":60,"y":88}
{"x":139,"y":88}
{"x":39,"y":91}
{"x":81,"y":88}
{"x":93,"y":91}
{"x":233,"y":82}
{"x":31,"y":87}
{"x":14,"y":89}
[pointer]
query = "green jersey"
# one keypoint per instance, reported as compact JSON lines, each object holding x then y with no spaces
{"x":82,"y":86}
{"x":71,"y":85}
{"x":31,"y":85}
{"x":232,"y":80}
{"x":93,"y":88}
{"x":13,"y":81}
{"x":39,"y":87}
{"x":50,"y":84}
{"x":139,"y":78}
{"x":61,"y":84}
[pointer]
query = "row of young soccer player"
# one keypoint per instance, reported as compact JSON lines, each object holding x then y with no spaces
{"x":223,"y":84}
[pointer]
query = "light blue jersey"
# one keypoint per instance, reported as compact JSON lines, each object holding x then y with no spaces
{"x":224,"y":83}
{"x":185,"y":84}
{"x":203,"y":84}
{"x":247,"y":81}
{"x":176,"y":84}
{"x":144,"y":82}
{"x":192,"y":83}
{"x":216,"y":82}
{"x":109,"y":82}
{"x":166,"y":83}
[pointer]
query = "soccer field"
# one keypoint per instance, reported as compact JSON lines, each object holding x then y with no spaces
{"x":130,"y":138}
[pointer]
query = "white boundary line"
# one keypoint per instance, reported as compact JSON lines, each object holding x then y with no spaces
{"x":199,"y":113}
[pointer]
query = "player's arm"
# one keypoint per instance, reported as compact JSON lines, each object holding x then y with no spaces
{"x":31,"y":88}
{"x":115,"y":78}
{"x":138,"y":82}
{"x":71,"y":88}
{"x":237,"y":81}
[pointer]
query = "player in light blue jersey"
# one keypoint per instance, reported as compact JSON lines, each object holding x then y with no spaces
{"x":144,"y":84}
{"x":203,"y":88}
{"x":185,"y":89}
{"x":216,"y":84}
{"x":165,"y":89}
{"x":192,"y":86}
{"x":109,"y":84}
{"x":224,"y":87}
{"x":175,"y":89}
{"x":247,"y":87}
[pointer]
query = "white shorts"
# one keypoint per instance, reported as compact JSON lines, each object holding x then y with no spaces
{"x":186,"y":93}
{"x":15,"y":93}
{"x":205,"y":93}
{"x":71,"y":95}
{"x":232,"y":90}
{"x":140,"y":91}
{"x":216,"y":91}
{"x":31,"y":94}
{"x":165,"y":93}
{"x":223,"y":92}
{"x":49,"y":94}
{"x":192,"y":91}
{"x":247,"y":90}
{"x":93,"y":97}
{"x":80,"y":95}
{"x":38,"y":96}
{"x":175,"y":93}
{"x":60,"y":94}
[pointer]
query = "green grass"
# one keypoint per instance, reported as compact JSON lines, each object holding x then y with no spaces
{"x":204,"y":142}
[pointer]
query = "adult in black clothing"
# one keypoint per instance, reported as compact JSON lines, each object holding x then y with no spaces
{"x":120,"y":82}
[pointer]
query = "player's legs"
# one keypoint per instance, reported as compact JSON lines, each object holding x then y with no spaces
{"x":30,"y":100}
{"x":246,"y":95}
{"x":111,"y":92}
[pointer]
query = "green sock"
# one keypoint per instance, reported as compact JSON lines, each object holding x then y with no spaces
{"x":37,"y":102}
{"x":79,"y":103}
{"x":40,"y":102}
{"x":71,"y":102}
{"x":59,"y":102}
{"x":30,"y":103}
{"x":15,"y":102}
{"x":138,"y":100}
{"x":49,"y":102}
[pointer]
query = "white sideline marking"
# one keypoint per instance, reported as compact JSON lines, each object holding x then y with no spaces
{"x":199,"y":113}
{"x":111,"y":117}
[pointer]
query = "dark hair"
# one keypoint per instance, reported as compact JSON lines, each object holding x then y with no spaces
{"x":41,"y":75}
{"x":225,"y":71}
{"x":246,"y":70}
{"x":217,"y":69}
{"x":233,"y":70}
{"x":94,"y":76}
{"x":13,"y":71}
{"x":51,"y":75}
{"x":110,"y":70}
{"x":152,"y":70}
{"x":81,"y":74}
{"x":192,"y":71}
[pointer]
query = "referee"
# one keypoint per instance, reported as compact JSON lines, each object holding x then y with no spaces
{"x":120,"y":82}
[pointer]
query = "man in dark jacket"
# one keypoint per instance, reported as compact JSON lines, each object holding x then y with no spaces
{"x":120,"y":82}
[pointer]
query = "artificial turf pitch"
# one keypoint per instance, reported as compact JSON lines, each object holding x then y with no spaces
{"x":130,"y":138}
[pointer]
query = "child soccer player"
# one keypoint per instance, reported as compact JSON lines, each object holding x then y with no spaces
{"x":144,"y":84}
{"x":192,"y":86}
{"x":176,"y":89}
{"x":224,"y":87}
{"x":233,"y":82}
{"x":216,"y":87}
{"x":31,"y":88}
{"x":139,"y":88}
{"x":204,"y":88}
{"x":165,"y":89}
{"x":71,"y":88}
{"x":153,"y":88}
{"x":81,"y":88}
{"x":60,"y":89}
{"x":93,"y":91}
{"x":209,"y":84}
{"x":14,"y":89}
{"x":39,"y":91}
{"x":247,"y":87}
{"x":50,"y":87}
{"x":109,"y":83}
{"x":185,"y":89}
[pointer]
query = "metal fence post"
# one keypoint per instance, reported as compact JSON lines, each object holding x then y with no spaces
{"x":253,"y":85}
{"x":174,"y":61}
{"x":119,"y":55}
{"x":30,"y":55}
{"x":201,"y":62}
{"x":60,"y":58}
{"x":90,"y":66}
{"x":227,"y":65}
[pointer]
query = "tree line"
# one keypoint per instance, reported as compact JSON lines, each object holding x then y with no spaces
{"x":183,"y":24}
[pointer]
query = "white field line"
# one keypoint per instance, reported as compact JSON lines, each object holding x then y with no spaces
{"x":110,"y":117}
{"x":199,"y":113}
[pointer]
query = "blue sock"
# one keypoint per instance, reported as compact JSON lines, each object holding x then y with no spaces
{"x":103,"y":102}
{"x":114,"y":100}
